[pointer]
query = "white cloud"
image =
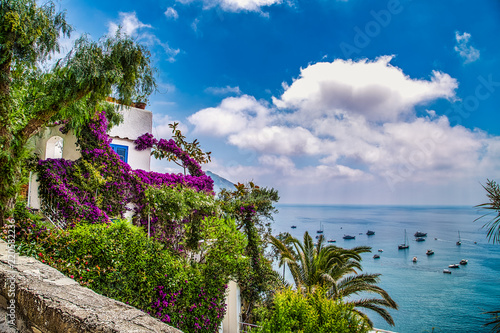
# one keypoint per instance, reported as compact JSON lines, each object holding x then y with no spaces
{"x":278,"y":140}
{"x":233,"y":115}
{"x":171,"y":13}
{"x":129,"y":24}
{"x":467,"y":52}
{"x":161,"y":129}
{"x":132,"y":27}
{"x":349,"y":122}
{"x":223,"y":90}
{"x":375,"y":89}
{"x":237,"y":5}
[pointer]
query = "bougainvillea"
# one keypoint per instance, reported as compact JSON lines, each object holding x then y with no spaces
{"x":99,"y":185}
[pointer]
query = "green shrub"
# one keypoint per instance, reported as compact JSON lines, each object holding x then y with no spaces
{"x":119,"y":261}
{"x":312,"y":313}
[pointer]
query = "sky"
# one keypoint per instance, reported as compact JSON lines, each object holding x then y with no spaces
{"x":392,"y":102}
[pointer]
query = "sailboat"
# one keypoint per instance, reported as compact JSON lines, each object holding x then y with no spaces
{"x":405,"y":245}
{"x":320,"y":231}
{"x":459,"y":240}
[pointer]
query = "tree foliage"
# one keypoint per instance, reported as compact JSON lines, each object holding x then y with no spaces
{"x":334,"y":268}
{"x":493,"y":227}
{"x":492,"y":207}
{"x":31,"y":97}
{"x":291,"y":311}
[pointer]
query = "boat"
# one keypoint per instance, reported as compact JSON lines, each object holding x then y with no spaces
{"x":331,"y":241}
{"x":320,"y":231}
{"x":349,"y":237}
{"x":380,"y":250}
{"x":429,"y":252}
{"x":453,"y":266}
{"x":405,"y":245}
{"x":420,"y":239}
{"x":420,"y":234}
{"x":463,"y":262}
{"x":294,"y":227}
{"x":446,"y":271}
{"x":370,"y":232}
{"x":459,"y":240}
{"x":414,"y":259}
{"x":376,"y":256}
{"x":317,"y":237}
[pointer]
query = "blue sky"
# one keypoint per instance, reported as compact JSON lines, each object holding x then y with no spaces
{"x":330,"y":102}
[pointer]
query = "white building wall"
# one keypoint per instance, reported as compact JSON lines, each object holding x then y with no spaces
{"x":136,"y":159}
{"x":135,"y":123}
{"x":231,"y":322}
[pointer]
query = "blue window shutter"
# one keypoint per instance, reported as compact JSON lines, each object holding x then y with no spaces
{"x":122,"y":151}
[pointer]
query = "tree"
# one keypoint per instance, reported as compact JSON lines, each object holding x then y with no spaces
{"x":252,"y":207}
{"x":75,"y":87}
{"x":493,"y":227}
{"x":493,"y":206}
{"x":334,"y":268}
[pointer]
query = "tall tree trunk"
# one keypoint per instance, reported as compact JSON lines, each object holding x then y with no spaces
{"x":7,"y":160}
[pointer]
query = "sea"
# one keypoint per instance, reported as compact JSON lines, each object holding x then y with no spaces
{"x":429,"y":300}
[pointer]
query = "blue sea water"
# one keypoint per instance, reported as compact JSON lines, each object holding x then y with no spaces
{"x":429,"y":301}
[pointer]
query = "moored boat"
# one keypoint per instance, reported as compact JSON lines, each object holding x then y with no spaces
{"x":463,"y":262}
{"x":376,"y":256}
{"x":446,"y":271}
{"x":405,"y":245}
{"x":414,"y":259}
{"x":429,"y":252}
{"x":420,"y":234}
{"x":349,"y":237}
{"x":420,"y":239}
{"x":331,"y":241}
{"x":370,"y":232}
{"x":294,"y":227}
{"x":453,"y":266}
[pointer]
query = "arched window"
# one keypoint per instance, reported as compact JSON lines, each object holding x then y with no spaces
{"x":54,"y":148}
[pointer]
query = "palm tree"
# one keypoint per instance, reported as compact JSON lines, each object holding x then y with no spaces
{"x":493,"y":227}
{"x":335,"y":268}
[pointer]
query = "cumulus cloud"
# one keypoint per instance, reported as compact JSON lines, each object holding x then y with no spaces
{"x":171,"y":13}
{"x":466,"y":51}
{"x":375,"y":89}
{"x":237,"y":5}
{"x":353,"y":121}
{"x":132,"y":26}
{"x":233,"y":115}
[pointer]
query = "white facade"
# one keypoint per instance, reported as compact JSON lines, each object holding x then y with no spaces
{"x":231,"y":322}
{"x":51,"y":143}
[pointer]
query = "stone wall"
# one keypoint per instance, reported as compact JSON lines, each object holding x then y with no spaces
{"x":46,"y":301}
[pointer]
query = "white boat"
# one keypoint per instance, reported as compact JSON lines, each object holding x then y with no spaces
{"x":380,"y":250}
{"x":446,"y":271}
{"x":414,"y":259}
{"x":429,"y":252}
{"x":331,"y":241}
{"x":405,"y":245}
{"x":453,"y":266}
{"x":463,"y":262}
